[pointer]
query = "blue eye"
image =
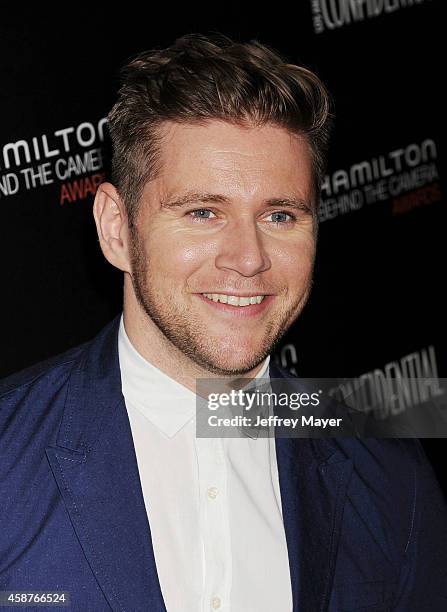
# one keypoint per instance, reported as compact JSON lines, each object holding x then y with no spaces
{"x":278,"y":217}
{"x":281,"y":217}
{"x":201,"y":213}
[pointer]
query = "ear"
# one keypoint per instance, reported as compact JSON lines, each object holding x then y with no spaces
{"x":111,"y":224}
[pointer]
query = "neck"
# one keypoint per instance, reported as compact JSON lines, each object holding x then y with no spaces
{"x":155,"y":347}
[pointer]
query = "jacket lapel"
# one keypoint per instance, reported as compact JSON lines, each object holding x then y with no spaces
{"x":96,"y":470}
{"x":313,"y":476}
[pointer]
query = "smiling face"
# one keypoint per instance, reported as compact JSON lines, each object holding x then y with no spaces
{"x":224,"y":245}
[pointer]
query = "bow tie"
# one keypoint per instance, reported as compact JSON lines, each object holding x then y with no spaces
{"x":242,"y":406}
{"x":253,"y":409}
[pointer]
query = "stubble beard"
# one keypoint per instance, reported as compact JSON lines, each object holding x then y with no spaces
{"x":187,"y":335}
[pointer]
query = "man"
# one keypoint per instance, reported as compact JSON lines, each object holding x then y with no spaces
{"x":107,"y":492}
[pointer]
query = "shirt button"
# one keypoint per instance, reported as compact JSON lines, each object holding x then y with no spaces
{"x":212,"y":494}
{"x":216,"y":603}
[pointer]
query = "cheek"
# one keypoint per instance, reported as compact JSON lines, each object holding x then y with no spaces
{"x":295,"y":260}
{"x":175,"y":257}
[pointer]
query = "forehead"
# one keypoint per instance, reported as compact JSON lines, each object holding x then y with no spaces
{"x":242,"y":161}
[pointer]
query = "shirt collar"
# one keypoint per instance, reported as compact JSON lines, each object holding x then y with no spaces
{"x":161,"y":399}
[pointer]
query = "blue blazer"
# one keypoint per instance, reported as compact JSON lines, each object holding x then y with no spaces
{"x":365,"y":520}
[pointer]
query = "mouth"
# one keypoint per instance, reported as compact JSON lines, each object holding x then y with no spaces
{"x":237,"y":305}
{"x":235,"y":300}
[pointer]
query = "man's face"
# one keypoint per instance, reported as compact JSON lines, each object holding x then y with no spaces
{"x":228,"y":220}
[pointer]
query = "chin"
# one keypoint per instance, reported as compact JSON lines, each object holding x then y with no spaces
{"x":236,"y":361}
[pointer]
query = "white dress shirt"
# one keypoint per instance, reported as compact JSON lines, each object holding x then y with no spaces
{"x":213,"y":504}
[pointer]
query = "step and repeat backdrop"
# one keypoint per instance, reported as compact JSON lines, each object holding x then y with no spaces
{"x":377,"y":305}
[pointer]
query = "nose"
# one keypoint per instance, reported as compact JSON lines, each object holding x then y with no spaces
{"x":242,"y":249}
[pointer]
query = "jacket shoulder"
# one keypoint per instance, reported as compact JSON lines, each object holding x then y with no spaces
{"x":43,"y":371}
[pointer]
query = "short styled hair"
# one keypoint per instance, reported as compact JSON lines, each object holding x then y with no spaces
{"x":201,"y":78}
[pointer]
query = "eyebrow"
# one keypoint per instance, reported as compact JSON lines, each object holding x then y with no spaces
{"x":201,"y":197}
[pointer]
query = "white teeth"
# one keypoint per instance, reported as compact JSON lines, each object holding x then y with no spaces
{"x":234,"y":300}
